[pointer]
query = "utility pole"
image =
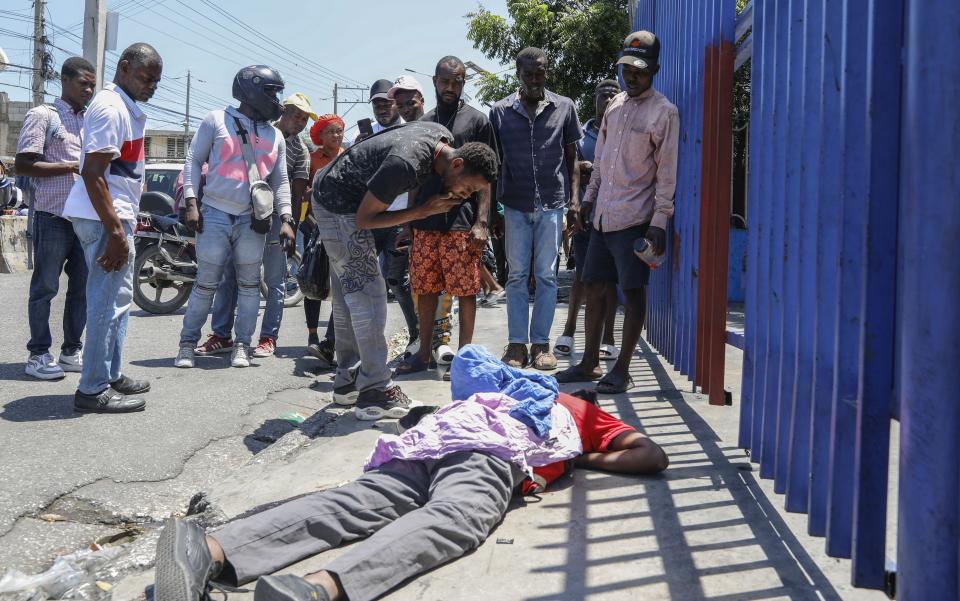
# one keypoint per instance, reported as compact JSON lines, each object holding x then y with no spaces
{"x":336,"y":99}
{"x":39,"y":51}
{"x":186,"y":120}
{"x":94,"y":35}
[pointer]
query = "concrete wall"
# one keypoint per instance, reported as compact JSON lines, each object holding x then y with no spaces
{"x":13,"y":244}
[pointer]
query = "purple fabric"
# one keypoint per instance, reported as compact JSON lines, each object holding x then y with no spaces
{"x":482,"y":423}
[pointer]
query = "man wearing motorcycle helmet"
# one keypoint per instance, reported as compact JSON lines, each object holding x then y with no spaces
{"x":227,"y":226}
{"x":296,"y":112}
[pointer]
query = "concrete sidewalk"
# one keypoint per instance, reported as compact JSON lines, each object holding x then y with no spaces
{"x":706,"y":529}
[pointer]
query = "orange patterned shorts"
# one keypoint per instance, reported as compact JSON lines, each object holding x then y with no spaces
{"x":444,"y":261}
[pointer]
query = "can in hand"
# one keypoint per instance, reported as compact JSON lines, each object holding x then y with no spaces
{"x":644,"y":251}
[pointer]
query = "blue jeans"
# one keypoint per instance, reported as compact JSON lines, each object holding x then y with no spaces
{"x":225,"y":239}
{"x":539,"y":233}
{"x":274,"y":274}
{"x":109,"y":296}
{"x":359,"y":296}
{"x":56,"y":248}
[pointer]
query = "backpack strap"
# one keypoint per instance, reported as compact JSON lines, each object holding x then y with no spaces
{"x":53,"y":124}
{"x":249,"y":154}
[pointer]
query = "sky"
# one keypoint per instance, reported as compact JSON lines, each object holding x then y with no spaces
{"x":312,"y":44}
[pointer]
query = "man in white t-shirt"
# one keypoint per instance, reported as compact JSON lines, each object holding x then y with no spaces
{"x":103,"y":206}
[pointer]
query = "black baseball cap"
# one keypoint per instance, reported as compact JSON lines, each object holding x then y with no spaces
{"x":641,"y":49}
{"x":380,"y":89}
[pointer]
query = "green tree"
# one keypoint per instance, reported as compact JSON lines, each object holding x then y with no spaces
{"x":582,"y":39}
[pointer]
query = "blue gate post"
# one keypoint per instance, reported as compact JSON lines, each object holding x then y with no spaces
{"x":750,"y":398}
{"x":798,"y":478}
{"x":871,"y":459}
{"x":777,"y":201}
{"x":762,"y":153}
{"x":852,"y":271}
{"x":828,"y":251}
{"x":791,"y":226}
{"x":929,"y":305}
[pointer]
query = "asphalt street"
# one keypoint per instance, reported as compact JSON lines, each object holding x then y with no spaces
{"x":98,"y":471}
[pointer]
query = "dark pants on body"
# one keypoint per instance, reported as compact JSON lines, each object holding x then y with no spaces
{"x":311,"y":310}
{"x":56,"y":249}
{"x":417,"y":515}
{"x":397,"y":275}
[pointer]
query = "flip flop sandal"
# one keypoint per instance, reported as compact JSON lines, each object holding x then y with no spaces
{"x":608,"y":352}
{"x":493,"y":298}
{"x":614,"y":385}
{"x":574,"y":374}
{"x":411,"y":365}
{"x":444,"y":355}
{"x":563,"y":346}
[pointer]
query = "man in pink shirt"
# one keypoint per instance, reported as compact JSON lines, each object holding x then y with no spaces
{"x":630,"y":195}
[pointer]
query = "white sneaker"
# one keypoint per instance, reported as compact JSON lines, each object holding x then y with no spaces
{"x":184,"y":357}
{"x":72,"y":363}
{"x":43,"y":367}
{"x":240,"y":356}
{"x":444,"y":355}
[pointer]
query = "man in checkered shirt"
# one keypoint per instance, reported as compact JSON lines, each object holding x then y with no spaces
{"x":48,"y":150}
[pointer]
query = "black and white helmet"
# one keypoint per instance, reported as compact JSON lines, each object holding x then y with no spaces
{"x":260,"y":87}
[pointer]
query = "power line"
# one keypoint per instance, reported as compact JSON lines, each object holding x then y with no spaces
{"x":240,"y":49}
{"x":24,"y":67}
{"x":281,"y":47}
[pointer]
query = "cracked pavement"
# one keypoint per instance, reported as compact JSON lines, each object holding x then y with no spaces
{"x":102,"y":472}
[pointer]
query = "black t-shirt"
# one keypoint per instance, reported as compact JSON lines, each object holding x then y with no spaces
{"x":467,"y":125}
{"x":387,"y":164}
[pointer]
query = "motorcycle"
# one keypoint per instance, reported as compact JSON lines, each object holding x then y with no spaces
{"x":166,"y":266}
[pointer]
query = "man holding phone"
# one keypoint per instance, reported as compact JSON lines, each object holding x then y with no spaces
{"x":630,"y":196}
{"x":385,"y":111}
{"x":351,"y":197}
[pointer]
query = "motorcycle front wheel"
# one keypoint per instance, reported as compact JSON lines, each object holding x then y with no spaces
{"x":291,"y":289}
{"x":152,"y":291}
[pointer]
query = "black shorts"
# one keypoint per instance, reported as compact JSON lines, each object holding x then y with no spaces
{"x":610,"y":258}
{"x":578,"y":245}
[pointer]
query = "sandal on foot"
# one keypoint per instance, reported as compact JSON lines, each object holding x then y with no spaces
{"x":411,"y":365}
{"x":575,"y":374}
{"x":563,"y":346}
{"x":608,"y":352}
{"x":614,"y":384}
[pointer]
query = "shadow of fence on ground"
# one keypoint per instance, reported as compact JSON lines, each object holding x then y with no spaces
{"x":703,"y":530}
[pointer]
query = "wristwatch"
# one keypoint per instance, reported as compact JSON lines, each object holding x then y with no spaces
{"x":288,"y":219}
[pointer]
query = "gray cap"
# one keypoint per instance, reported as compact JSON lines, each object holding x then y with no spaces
{"x":380,"y":89}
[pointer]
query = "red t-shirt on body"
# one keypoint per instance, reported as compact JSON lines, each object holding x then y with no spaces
{"x":597,"y":430}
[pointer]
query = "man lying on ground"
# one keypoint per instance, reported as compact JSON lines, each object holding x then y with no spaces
{"x":427,"y":499}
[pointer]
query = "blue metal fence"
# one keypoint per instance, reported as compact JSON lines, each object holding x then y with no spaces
{"x":852,"y":313}
{"x":687,"y":306}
